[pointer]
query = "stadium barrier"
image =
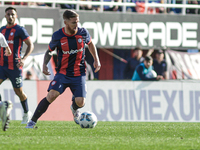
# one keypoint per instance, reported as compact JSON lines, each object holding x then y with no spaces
{"x":102,"y":3}
{"x":160,"y":101}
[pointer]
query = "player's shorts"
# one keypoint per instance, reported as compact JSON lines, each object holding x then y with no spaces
{"x":15,"y":76}
{"x":77,"y":84}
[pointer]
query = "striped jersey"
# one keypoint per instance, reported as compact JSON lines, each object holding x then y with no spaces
{"x":70,"y":51}
{"x":14,"y":35}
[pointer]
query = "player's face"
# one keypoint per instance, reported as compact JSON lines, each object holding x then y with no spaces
{"x":72,"y":25}
{"x":148,"y":63}
{"x":11,"y":15}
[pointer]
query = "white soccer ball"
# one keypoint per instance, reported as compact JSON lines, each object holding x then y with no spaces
{"x":88,"y":120}
{"x":151,"y":74}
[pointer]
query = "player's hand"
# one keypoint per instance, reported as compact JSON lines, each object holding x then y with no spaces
{"x":20,"y":62}
{"x":97,"y":66}
{"x":45,"y":70}
{"x":159,"y":77}
{"x":7,"y":52}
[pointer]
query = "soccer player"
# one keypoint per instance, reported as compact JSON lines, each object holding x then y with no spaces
{"x":11,"y":66}
{"x":5,"y":106}
{"x":69,"y":42}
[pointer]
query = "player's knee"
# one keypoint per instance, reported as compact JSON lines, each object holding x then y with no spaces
{"x":52,"y":95}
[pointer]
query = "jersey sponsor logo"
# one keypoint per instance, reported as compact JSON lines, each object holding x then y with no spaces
{"x":63,"y":43}
{"x":73,"y":51}
{"x":10,"y":41}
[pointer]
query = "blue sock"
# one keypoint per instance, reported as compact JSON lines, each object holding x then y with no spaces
{"x":41,"y":108}
{"x":25,"y":106}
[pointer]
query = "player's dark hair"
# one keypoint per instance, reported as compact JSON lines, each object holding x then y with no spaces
{"x":148,"y":58}
{"x":69,"y":14}
{"x":8,"y":8}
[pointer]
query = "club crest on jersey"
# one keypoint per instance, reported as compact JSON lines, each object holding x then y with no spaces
{"x":53,"y":83}
{"x":79,"y":40}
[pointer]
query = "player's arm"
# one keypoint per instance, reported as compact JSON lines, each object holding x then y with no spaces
{"x":29,"y":50}
{"x":47,"y":58}
{"x":95,"y":56}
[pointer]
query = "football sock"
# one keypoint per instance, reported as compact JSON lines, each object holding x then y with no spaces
{"x":25,"y":105}
{"x":41,"y":108}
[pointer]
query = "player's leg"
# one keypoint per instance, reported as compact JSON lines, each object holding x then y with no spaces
{"x":3,"y":76}
{"x":42,"y":107}
{"x":77,"y":103}
{"x":1,"y":80}
{"x":5,"y":109}
{"x":24,"y":103}
{"x":5,"y":106}
{"x":55,"y":89}
{"x":15,"y":77}
{"x":78,"y":89}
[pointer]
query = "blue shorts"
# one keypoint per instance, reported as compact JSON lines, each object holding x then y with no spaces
{"x":77,"y":84}
{"x":15,"y":76}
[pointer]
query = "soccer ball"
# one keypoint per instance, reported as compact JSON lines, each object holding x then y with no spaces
{"x":151,"y":74}
{"x":88,"y":120}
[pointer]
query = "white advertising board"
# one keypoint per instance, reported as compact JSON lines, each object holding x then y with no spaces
{"x":162,"y":101}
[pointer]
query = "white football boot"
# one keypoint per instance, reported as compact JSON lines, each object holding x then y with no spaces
{"x":76,"y":114}
{"x":26,"y":118}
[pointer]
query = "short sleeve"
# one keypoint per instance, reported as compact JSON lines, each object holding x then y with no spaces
{"x":88,"y":37}
{"x":24,"y":34}
{"x":53,"y":43}
{"x":3,"y":41}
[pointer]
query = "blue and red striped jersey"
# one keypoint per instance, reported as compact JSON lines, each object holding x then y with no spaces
{"x":70,"y":51}
{"x":14,"y":35}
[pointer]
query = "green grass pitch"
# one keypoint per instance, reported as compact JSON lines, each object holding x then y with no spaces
{"x":66,"y":135}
